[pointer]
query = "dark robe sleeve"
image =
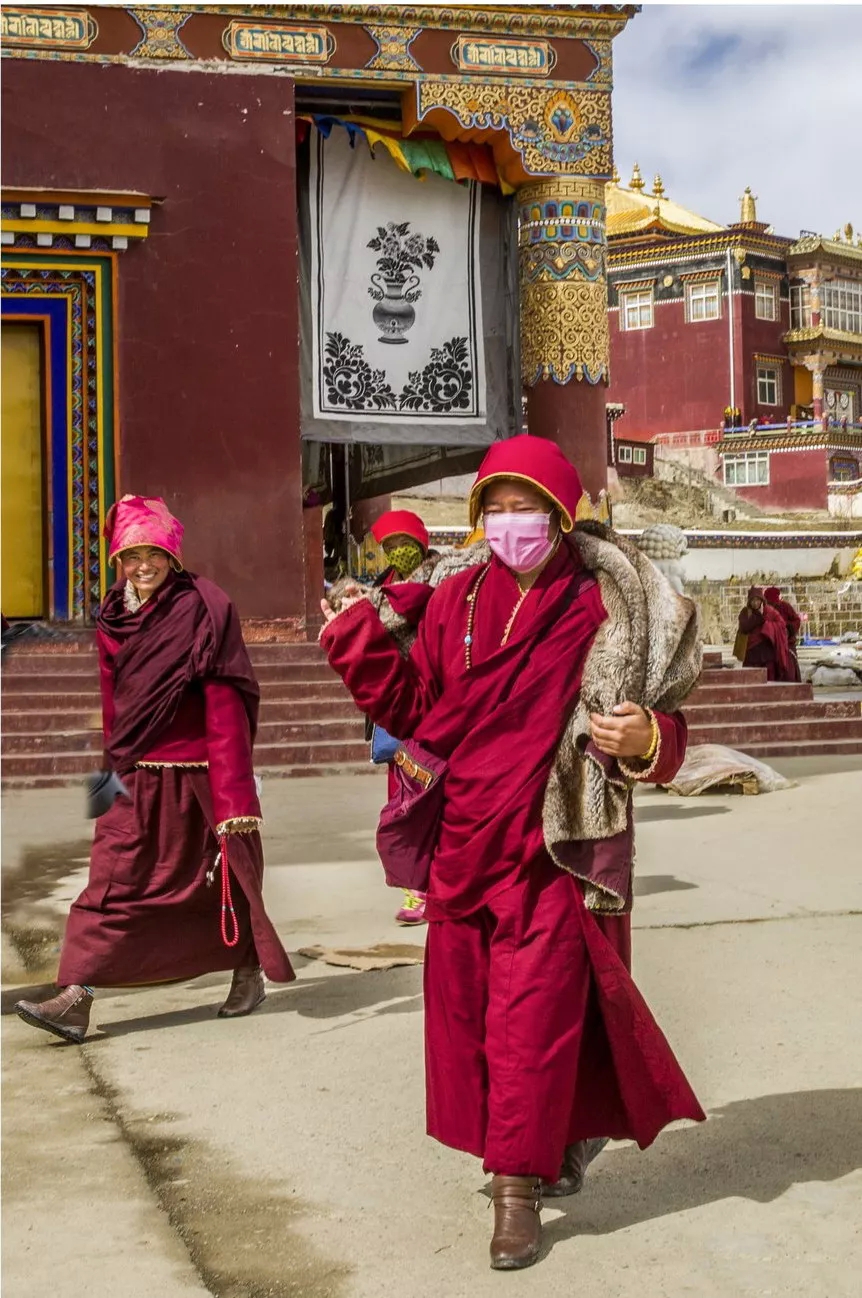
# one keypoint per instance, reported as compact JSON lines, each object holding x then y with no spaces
{"x":394,"y":692}
{"x":409,"y":599}
{"x":669,"y":756}
{"x":229,"y":754}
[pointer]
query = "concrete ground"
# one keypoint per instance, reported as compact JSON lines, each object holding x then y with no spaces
{"x":176,"y":1154}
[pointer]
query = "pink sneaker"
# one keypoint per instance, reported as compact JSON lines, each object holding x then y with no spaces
{"x":413,"y":909}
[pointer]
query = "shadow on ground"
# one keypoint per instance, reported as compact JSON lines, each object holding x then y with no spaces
{"x":368,"y":995}
{"x":672,"y":811}
{"x":650,"y":884}
{"x":752,"y":1149}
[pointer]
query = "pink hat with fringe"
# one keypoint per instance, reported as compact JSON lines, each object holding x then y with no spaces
{"x":143,"y":520}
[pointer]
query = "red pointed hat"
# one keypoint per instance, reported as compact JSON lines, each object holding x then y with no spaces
{"x":537,"y":461}
{"x":143,"y":520}
{"x":399,"y":522}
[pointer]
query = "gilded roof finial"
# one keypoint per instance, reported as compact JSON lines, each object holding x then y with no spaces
{"x":848,"y":232}
{"x":747,"y":209}
{"x":615,"y":175}
{"x":658,"y":187}
{"x":637,"y":180}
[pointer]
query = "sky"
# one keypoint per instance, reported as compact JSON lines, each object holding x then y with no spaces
{"x":717,"y":97}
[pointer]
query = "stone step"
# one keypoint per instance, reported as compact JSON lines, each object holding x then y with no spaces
{"x":46,"y":658}
{"x":801,"y":748}
{"x":748,"y":694}
{"x":51,"y":667}
{"x":310,"y":732}
{"x":42,"y":701}
{"x":50,"y":741}
{"x":338,"y":708}
{"x":733,"y":676}
{"x":33,"y":721}
{"x":699,"y":714}
{"x":742,"y":734}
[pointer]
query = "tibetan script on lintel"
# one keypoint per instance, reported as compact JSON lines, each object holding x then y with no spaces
{"x":507,"y":57}
{"x":50,"y":29}
{"x":273,"y":43}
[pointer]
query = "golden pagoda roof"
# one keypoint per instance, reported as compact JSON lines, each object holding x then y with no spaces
{"x":632,"y":209}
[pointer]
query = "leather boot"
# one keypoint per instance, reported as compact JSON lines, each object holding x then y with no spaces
{"x":517,"y":1222}
{"x":67,"y":1014}
{"x":247,"y":991}
{"x":576,"y":1160}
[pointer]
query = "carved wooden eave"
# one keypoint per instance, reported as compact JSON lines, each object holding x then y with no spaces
{"x":532,"y":81}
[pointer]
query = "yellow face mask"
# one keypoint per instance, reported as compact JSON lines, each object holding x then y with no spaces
{"x":405,"y":558}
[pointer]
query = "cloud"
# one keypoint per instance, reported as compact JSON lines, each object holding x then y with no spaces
{"x":717,"y":97}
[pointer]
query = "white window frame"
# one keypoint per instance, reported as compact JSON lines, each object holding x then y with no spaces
{"x":768,"y":375}
{"x":748,"y":469}
{"x":636,"y":309}
{"x":800,"y":306}
{"x":624,"y":455}
{"x":842,"y":306}
{"x":639,"y":455}
{"x":765,"y":299}
{"x":702,"y":295}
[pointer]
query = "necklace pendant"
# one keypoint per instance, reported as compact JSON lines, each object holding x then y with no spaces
{"x":468,"y":639}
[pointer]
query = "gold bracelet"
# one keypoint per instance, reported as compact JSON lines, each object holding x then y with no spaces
{"x":654,"y":740}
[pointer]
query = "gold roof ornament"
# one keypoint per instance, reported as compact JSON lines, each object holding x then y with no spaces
{"x":747,"y":208}
{"x":615,"y":175}
{"x":658,"y":187}
{"x":848,"y":232}
{"x":637,"y":180}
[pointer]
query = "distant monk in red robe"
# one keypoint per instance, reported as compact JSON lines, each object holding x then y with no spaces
{"x":792,"y":621}
{"x":546,"y":676}
{"x":762,"y":638}
{"x":176,"y":869}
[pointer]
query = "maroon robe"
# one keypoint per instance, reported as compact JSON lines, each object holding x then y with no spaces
{"x":793,"y":622}
{"x":535,"y":1031}
{"x":179,"y":712}
{"x":766,"y":644}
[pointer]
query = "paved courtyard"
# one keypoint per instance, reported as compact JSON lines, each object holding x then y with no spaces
{"x":176,"y":1154}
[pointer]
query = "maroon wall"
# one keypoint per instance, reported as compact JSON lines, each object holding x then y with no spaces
{"x":797,"y":480}
{"x":675,"y":377}
{"x":208,"y":330}
{"x":672,"y":378}
{"x":766,"y":337}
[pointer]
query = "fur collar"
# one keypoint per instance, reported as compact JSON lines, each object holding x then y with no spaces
{"x":647,"y":650}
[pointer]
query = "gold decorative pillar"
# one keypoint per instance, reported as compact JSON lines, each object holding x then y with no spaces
{"x":564,"y":322}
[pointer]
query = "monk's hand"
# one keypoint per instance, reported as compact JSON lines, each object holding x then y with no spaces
{"x":352,"y":593}
{"x":627,"y":732}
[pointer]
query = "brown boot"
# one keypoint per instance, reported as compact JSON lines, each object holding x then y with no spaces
{"x":67,"y":1014}
{"x":575,"y":1163}
{"x":517,"y":1222}
{"x":247,"y":991}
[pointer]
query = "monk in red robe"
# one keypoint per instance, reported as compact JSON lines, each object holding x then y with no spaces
{"x":792,"y":621}
{"x":762,"y":638}
{"x":538,"y":1044}
{"x":405,"y":542}
{"x":176,"y":871}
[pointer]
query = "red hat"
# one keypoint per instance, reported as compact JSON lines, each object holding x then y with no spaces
{"x":398,"y":522}
{"x":535,"y":460}
{"x":143,"y":520}
{"x":772,"y":594}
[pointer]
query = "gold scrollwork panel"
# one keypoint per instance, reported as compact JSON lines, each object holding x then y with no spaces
{"x":564,"y":330}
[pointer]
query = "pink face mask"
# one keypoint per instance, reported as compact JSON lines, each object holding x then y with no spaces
{"x":520,"y":541}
